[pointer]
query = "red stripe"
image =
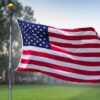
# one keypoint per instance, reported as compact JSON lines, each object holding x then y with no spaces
{"x":76,"y":29}
{"x":73,"y":61}
{"x":59,"y":76}
{"x":67,"y":45}
{"x":61,"y":36}
{"x":89,"y":54}
{"x":53,"y":66}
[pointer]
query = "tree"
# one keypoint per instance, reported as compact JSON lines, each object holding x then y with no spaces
{"x":25,"y":13}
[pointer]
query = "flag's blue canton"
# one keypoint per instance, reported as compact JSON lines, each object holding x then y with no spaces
{"x":34,"y":34}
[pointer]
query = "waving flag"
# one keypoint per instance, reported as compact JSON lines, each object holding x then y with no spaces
{"x":69,"y":54}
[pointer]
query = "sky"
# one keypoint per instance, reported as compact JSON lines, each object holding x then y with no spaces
{"x":66,"y":13}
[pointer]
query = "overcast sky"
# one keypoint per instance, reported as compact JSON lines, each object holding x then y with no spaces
{"x":66,"y":13}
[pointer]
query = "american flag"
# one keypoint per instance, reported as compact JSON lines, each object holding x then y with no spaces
{"x":69,"y":54}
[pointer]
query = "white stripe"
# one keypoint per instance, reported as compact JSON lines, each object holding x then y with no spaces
{"x":73,"y":50}
{"x":81,"y":50}
{"x":81,"y":33}
{"x":59,"y":40}
{"x":60,"y":63}
{"x":52,"y":52}
{"x":63,"y":73}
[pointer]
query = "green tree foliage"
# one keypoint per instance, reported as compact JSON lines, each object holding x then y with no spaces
{"x":25,"y":13}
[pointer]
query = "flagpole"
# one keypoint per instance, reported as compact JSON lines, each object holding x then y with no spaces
{"x":10,"y":8}
{"x":10,"y":60}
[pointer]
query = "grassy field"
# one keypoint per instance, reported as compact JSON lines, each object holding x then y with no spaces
{"x":51,"y":92}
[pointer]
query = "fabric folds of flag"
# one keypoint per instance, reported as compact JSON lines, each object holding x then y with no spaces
{"x":69,"y":54}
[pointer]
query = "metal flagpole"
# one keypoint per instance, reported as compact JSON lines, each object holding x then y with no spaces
{"x":10,"y":7}
{"x":10,"y":60}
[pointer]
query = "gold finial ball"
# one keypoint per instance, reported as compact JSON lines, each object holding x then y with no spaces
{"x":11,"y":6}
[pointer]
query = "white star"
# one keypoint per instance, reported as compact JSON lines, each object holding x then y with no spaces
{"x":40,"y":44}
{"x":25,"y":42}
{"x":41,"y":35}
{"x":34,"y":38}
{"x":35,"y":28}
{"x":27,"y":29}
{"x":37,"y":41}
{"x":26,"y":34}
{"x":37,"y":37}
{"x":27,"y":24}
{"x":29,"y":37}
{"x":44,"y":38}
{"x":38,"y":26}
{"x":40,"y":39}
{"x":23,"y":24}
{"x":34,"y":43}
{"x":40,"y":29}
{"x":28,"y":42}
{"x":44,"y":33}
{"x":34,"y":34}
{"x":32,"y":25}
{"x":46,"y":45}
{"x":43,"y":42}
{"x":32,"y":30}
{"x":44,"y":27}
{"x":38,"y":32}
{"x":31,"y":40}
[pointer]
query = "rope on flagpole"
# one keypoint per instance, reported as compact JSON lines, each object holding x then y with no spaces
{"x":10,"y":8}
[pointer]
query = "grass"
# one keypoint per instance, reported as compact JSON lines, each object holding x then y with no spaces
{"x":51,"y":92}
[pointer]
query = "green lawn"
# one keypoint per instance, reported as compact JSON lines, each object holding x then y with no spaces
{"x":40,"y":92}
